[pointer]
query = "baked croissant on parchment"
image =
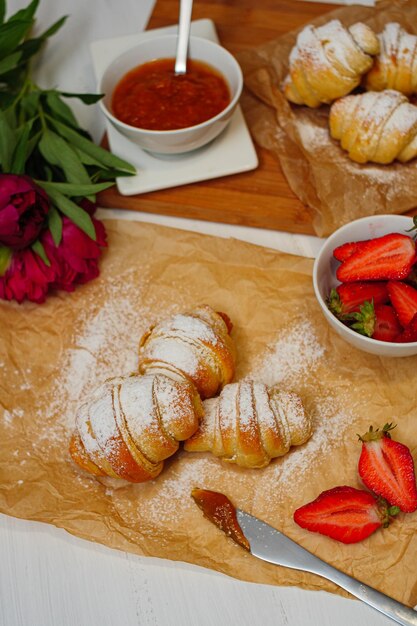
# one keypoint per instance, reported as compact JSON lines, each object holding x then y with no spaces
{"x":196,"y":346}
{"x":377,"y":126}
{"x":249,"y":424}
{"x":328,"y":62}
{"x":131,"y":424}
{"x":395,"y":67}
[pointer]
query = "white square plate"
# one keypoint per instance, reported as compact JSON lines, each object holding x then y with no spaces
{"x":231,"y":152}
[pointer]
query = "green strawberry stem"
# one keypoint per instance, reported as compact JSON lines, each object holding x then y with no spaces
{"x":375,"y":435}
{"x":365,"y":319}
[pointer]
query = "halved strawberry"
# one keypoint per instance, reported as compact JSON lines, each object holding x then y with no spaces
{"x":379,"y":322}
{"x":348,"y":297}
{"x":384,"y":258}
{"x":343,"y":252}
{"x":345,"y":514}
{"x":387,"y":467}
{"x":409,"y":333}
{"x":404,"y":300}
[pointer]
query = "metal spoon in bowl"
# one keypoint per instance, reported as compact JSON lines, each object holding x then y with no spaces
{"x":186,"y":7}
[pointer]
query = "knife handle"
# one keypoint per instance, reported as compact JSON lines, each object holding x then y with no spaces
{"x":397,"y":611}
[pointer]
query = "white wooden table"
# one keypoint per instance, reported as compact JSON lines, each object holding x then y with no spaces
{"x":50,"y":578}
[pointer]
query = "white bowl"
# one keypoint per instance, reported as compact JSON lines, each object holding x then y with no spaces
{"x":324,"y":278}
{"x":183,"y":139}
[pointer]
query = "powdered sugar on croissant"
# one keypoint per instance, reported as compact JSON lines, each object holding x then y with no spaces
{"x":196,"y":346}
{"x":249,"y":424}
{"x":396,"y":65}
{"x":375,"y":126}
{"x":328,"y":62}
{"x":130,"y":425}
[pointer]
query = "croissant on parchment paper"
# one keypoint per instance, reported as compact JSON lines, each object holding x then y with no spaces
{"x":196,"y":346}
{"x":328,"y":62}
{"x":131,"y":424}
{"x":395,"y":67}
{"x":249,"y":424}
{"x":377,"y":126}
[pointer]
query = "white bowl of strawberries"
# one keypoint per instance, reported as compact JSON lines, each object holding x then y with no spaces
{"x":365,"y":280}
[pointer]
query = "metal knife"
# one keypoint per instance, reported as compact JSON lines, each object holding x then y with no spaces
{"x":271,"y":545}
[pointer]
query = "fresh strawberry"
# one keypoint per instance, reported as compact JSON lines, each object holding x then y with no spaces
{"x":345,"y":513}
{"x":390,"y":257}
{"x":379,"y":322}
{"x":348,"y":297}
{"x":343,"y":252}
{"x":404,"y":300}
{"x":387,"y":467}
{"x":409,"y":333}
{"x":387,"y":326}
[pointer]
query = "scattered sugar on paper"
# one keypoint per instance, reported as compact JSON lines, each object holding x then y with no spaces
{"x":290,"y":358}
{"x":105,"y":344}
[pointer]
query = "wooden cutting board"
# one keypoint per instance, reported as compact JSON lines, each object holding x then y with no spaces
{"x":262,"y":197}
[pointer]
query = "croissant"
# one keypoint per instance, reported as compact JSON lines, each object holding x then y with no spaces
{"x":328,"y":62}
{"x":131,"y":424}
{"x":196,"y":346}
{"x":375,"y":126}
{"x":396,"y":65}
{"x":249,"y":424}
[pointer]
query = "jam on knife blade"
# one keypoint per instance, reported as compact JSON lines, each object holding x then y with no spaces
{"x":219,"y":510}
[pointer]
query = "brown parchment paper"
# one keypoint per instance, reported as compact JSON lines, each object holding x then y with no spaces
{"x":52,"y":355}
{"x":317,"y":169}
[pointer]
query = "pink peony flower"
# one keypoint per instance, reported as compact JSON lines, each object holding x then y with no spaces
{"x":73,"y":262}
{"x":26,"y":277}
{"x":23,"y":210}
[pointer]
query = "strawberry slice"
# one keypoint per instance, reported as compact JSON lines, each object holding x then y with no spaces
{"x":387,"y":326}
{"x":343,"y":252}
{"x":404,"y":300}
{"x":384,"y":258}
{"x":409,"y":333}
{"x":387,"y":467}
{"x":348,"y":297}
{"x":379,"y":322}
{"x":345,"y":514}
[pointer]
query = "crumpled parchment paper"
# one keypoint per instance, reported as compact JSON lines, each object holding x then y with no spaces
{"x":53,"y":355}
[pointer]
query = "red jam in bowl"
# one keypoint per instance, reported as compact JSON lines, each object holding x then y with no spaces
{"x":153,"y":97}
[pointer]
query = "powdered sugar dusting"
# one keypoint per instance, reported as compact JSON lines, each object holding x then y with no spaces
{"x":290,"y":358}
{"x":104,"y":344}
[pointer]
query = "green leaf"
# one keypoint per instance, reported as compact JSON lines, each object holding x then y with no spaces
{"x":5,"y":257}
{"x":11,"y":33}
{"x":32,"y":143}
{"x":87,"y":98}
{"x":55,"y":225}
{"x":27,"y":13}
{"x":58,"y":152}
{"x":68,"y":189}
{"x":2,"y":11}
{"x":30,"y":103}
{"x":10,"y":117}
{"x":9,"y":62}
{"x":60,"y":109}
{"x":6,"y":100}
{"x":7,"y":143}
{"x":21,"y":151}
{"x":74,"y":212}
{"x":103,"y":156}
{"x":86,"y":158}
{"x":40,"y":251}
{"x":54,"y":28}
{"x":106,"y":174}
